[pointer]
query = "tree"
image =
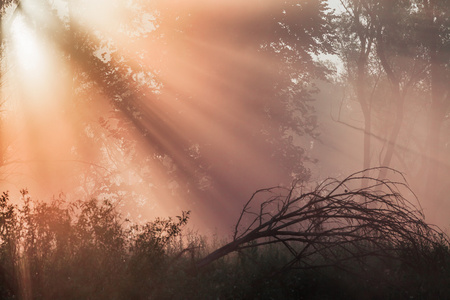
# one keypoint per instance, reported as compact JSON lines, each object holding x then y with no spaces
{"x":400,"y":53}
{"x":432,"y":23}
{"x":355,"y":46}
{"x":331,"y":225}
{"x":265,"y":88}
{"x":256,"y":109}
{"x":393,"y":61}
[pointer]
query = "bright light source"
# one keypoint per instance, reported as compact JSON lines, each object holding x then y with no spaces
{"x":28,"y":50}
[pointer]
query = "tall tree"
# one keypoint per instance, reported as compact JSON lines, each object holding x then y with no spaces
{"x":400,"y":54}
{"x":260,"y":68}
{"x":355,"y":45}
{"x":433,"y":23}
{"x":388,"y":51}
{"x":219,"y":100}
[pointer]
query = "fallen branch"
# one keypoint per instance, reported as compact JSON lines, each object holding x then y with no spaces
{"x":335,"y":216}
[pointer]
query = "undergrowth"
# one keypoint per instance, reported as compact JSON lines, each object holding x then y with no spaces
{"x":86,"y":250}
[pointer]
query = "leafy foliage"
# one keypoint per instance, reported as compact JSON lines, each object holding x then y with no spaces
{"x":79,"y":250}
{"x":301,"y":245}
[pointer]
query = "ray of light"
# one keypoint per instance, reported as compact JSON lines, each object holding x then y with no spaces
{"x":218,"y":111}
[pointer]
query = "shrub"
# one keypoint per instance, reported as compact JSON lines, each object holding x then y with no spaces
{"x":339,"y":241}
{"x":79,"y":250}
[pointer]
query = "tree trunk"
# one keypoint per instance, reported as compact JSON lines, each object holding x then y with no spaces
{"x":439,"y":105}
{"x":225,"y":250}
{"x":392,"y":140}
{"x":365,"y":47}
{"x":399,"y":98}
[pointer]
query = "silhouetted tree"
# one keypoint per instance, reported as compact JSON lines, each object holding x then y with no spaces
{"x":400,"y":51}
{"x":354,"y":45}
{"x":336,"y":222}
{"x":254,"y":88}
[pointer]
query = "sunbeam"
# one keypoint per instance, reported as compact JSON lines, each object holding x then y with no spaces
{"x":28,"y":50}
{"x":291,"y":137}
{"x":178,"y":105}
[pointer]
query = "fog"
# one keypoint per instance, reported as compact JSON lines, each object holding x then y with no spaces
{"x":164,"y":106}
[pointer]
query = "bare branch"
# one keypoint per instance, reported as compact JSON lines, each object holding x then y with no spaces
{"x":338,"y":220}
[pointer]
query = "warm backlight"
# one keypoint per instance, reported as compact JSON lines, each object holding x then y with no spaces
{"x":28,"y":50}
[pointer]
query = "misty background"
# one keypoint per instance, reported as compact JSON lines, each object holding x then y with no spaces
{"x":163,"y":106}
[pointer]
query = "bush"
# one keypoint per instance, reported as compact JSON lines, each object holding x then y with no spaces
{"x":318,"y":245}
{"x":79,"y":250}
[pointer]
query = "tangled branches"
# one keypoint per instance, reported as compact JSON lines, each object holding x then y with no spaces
{"x":334,"y":222}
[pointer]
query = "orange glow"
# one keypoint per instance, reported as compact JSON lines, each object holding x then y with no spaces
{"x":199,"y":83}
{"x":28,"y":50}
